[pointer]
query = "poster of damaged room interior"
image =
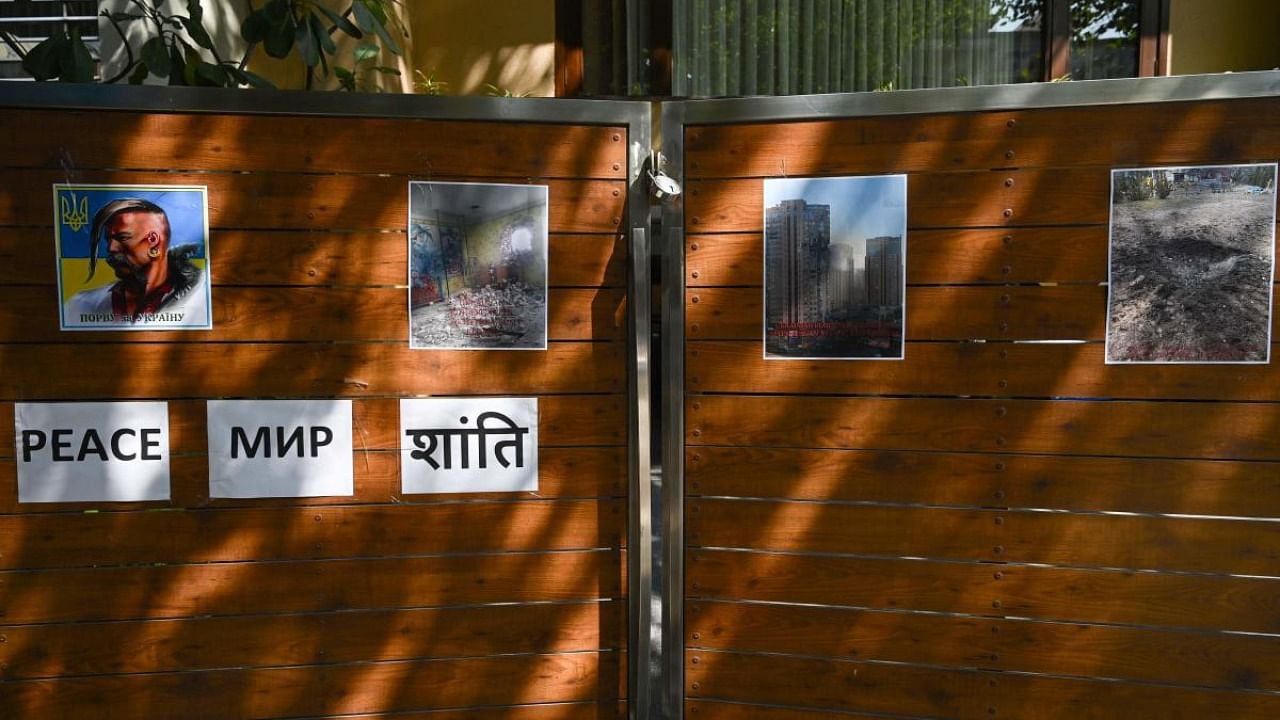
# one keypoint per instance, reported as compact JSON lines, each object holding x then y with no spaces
{"x":1192,"y":260}
{"x":477,"y":266}
{"x":835,"y":268}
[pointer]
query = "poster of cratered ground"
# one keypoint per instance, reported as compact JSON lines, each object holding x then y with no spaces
{"x":1192,"y":261}
{"x":132,"y":257}
{"x":835,"y":268}
{"x":477,"y":266}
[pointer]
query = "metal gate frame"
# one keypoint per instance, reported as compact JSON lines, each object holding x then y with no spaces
{"x":637,"y":118}
{"x":678,"y":116}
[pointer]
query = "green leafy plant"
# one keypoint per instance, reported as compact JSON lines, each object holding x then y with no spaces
{"x":308,"y":26}
{"x":496,"y":91}
{"x":427,"y":84}
{"x":179,"y":48}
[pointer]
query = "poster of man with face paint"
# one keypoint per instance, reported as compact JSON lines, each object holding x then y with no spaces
{"x":155,"y":241}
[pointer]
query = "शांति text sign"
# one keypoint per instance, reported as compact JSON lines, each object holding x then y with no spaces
{"x":92,"y":452}
{"x":280,"y":448}
{"x":458,"y":445}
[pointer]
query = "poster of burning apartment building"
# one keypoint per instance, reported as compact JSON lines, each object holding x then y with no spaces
{"x":835,"y":267}
{"x":1192,"y":258}
{"x":477,"y":266}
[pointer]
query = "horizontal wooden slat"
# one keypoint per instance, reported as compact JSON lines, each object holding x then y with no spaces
{"x":160,"y":591}
{"x":563,"y":472}
{"x":307,"y":314}
{"x":1113,"y":541}
{"x":1189,"y":658}
{"x":1066,"y":312}
{"x":563,"y":420}
{"x":1198,"y":133}
{"x":934,"y":200}
{"x":193,"y":536}
{"x":999,"y":369}
{"x":308,"y":202}
{"x":850,"y":146}
{"x":164,"y":370}
{"x":557,"y":711}
{"x":1189,"y":132}
{"x":719,"y":710}
{"x":325,"y":690}
{"x":1242,"y":489}
{"x":1226,"y":431}
{"x":268,"y":257}
{"x":50,"y":138}
{"x":902,"y":690}
{"x":965,"y":695}
{"x":934,"y":257}
{"x":1063,"y":594}
{"x":34,"y":651}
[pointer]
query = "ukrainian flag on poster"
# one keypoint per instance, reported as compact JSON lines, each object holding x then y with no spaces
{"x":133,"y":257}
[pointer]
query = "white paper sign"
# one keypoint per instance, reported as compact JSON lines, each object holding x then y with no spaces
{"x":92,"y":452}
{"x":280,"y":448}
{"x":459,"y":445}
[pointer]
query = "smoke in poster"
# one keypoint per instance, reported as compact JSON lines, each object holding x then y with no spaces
{"x":835,"y":267}
{"x":477,"y":266}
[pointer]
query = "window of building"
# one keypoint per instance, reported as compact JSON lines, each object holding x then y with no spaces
{"x":717,"y":48}
{"x":27,"y":22}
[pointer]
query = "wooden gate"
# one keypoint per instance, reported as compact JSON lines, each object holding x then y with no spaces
{"x":1000,"y":525}
{"x":476,"y":606}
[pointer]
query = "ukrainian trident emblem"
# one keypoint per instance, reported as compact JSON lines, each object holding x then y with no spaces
{"x":75,"y":212}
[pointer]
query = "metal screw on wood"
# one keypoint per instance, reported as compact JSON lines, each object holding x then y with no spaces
{"x":694,"y":274}
{"x":617,"y":166}
{"x":997,"y":604}
{"x":695,"y":300}
{"x":693,"y":246}
{"x":695,"y":660}
{"x":697,"y":636}
{"x":616,"y":137}
{"x":1011,"y":122}
{"x":1008,"y":154}
{"x":1008,"y":212}
{"x":1008,"y":182}
{"x":998,"y":576}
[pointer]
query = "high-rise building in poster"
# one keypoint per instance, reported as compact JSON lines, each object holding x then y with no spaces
{"x":884,"y":271}
{"x":797,"y":236}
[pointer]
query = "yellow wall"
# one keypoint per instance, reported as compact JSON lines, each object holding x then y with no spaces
{"x":1209,"y":36}
{"x":467,"y":43}
{"x":509,"y":44}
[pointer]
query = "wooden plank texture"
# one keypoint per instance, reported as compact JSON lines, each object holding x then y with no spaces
{"x":309,"y":202}
{"x":1126,"y":541}
{"x":1065,"y":312}
{"x":965,"y":695}
{"x":325,"y":690}
{"x":563,"y":472}
{"x":1211,"y":602}
{"x":242,"y":534}
{"x":934,"y":257}
{"x":285,"y":257}
{"x":176,"y":591}
{"x":36,"y":651}
{"x":1172,"y":133}
{"x":991,"y":369}
{"x":1240,"y":489}
{"x":56,"y":138}
{"x":265,"y":314}
{"x":934,"y":200}
{"x":178,"y":369}
{"x":1224,"y":431}
{"x":1236,"y":662}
